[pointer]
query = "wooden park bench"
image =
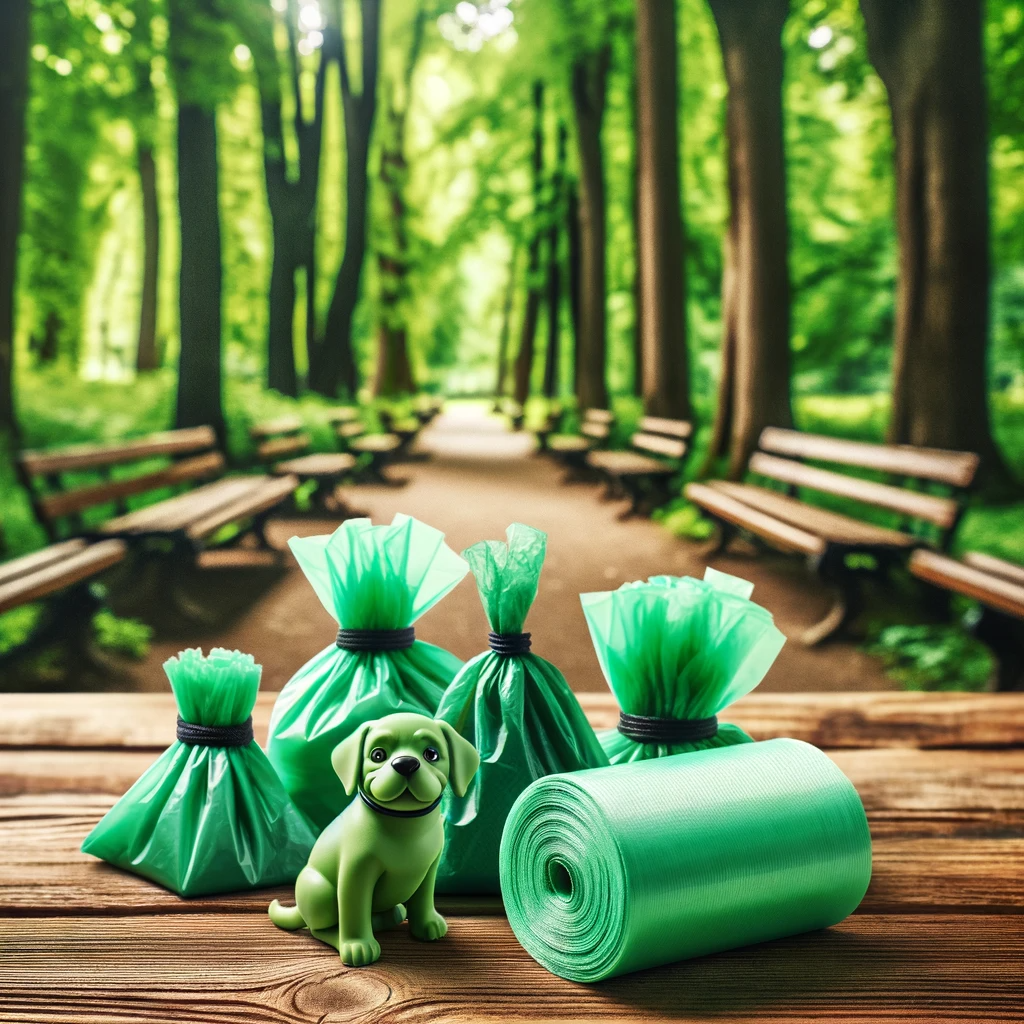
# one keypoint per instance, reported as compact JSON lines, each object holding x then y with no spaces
{"x":283,"y":445}
{"x":571,"y":450}
{"x":999,"y":587}
{"x":62,"y":575}
{"x":186,"y":523}
{"x":645,"y":473}
{"x":550,"y":425}
{"x":937,"y":936}
{"x":405,"y":428}
{"x":427,"y":408}
{"x":826,"y":538}
{"x":377,"y":449}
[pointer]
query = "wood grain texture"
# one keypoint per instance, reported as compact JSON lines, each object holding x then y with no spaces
{"x":225,"y":968}
{"x":146,"y":721}
{"x":89,"y":456}
{"x":79,"y":565}
{"x":969,"y":580}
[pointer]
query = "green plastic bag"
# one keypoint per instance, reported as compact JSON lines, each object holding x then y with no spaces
{"x":370,"y":578}
{"x":677,"y":649}
{"x":516,"y":709}
{"x":208,"y":819}
{"x":615,"y":870}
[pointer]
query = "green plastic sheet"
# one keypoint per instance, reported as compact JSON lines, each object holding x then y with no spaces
{"x":202,"y":819}
{"x":367,"y":577}
{"x":618,"y":869}
{"x":679,"y":647}
{"x":518,"y":712}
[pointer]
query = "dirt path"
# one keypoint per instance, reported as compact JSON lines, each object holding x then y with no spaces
{"x":477,"y":480}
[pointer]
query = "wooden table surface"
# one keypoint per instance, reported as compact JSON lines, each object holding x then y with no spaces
{"x":939,"y":936}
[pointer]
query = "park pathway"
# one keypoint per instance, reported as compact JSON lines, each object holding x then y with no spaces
{"x":477,"y":479}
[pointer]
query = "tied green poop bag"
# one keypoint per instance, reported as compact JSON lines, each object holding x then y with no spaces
{"x":210,"y":815}
{"x":676,"y":651}
{"x":376,"y":581}
{"x":514,"y":707}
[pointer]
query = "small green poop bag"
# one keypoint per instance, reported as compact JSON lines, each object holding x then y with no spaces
{"x":514,"y":707}
{"x":376,"y":581}
{"x":676,"y":651}
{"x":210,"y":815}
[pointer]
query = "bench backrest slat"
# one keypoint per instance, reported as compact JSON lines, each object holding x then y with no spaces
{"x":65,"y":503}
{"x":598,"y":431}
{"x":343,"y":414}
{"x":599,"y":416}
{"x":996,"y":566}
{"x":282,"y":425}
{"x":656,"y":444}
{"x":91,"y":456}
{"x":666,"y":427}
{"x":38,"y":560}
{"x":279,"y":447}
{"x":948,"y":467}
{"x":941,"y":511}
{"x":353,"y":429}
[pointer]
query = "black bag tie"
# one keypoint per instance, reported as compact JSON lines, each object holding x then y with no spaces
{"x":669,"y":731}
{"x":508,"y":645}
{"x":195,"y":735}
{"x":376,"y":639}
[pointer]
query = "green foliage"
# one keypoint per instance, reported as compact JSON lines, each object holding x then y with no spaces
{"x":683,"y":519}
{"x":934,"y":658}
{"x":122,"y":636}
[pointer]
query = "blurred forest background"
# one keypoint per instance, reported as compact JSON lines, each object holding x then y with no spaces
{"x":214,"y":210}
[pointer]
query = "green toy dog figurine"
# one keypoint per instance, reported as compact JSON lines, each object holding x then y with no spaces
{"x":376,"y":862}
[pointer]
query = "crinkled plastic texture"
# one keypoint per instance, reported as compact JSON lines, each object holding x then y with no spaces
{"x":517,"y":711}
{"x":201,"y":819}
{"x":616,"y":870}
{"x":678,"y":647}
{"x":367,"y":577}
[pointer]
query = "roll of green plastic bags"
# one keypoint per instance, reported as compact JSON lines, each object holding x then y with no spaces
{"x":679,"y":649}
{"x":618,"y":869}
{"x":370,"y":578}
{"x":515,"y":708}
{"x":207,"y":819}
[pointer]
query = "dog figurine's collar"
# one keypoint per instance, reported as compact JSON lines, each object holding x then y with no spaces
{"x":374,"y":806}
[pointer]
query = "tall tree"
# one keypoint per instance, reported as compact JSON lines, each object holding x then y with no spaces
{"x":552,"y":354}
{"x":575,"y":275}
{"x":291,"y":192}
{"x":506,"y":324}
{"x":929,"y":54}
{"x":660,"y":227}
{"x":332,"y":360}
{"x":754,"y":382}
{"x":589,"y":82}
{"x":14,"y":36}
{"x":144,"y":100}
{"x":394,"y":374}
{"x":531,"y":312}
{"x":196,"y":42}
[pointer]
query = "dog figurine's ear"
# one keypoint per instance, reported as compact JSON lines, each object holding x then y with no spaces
{"x":463,"y":757}
{"x":347,"y":758}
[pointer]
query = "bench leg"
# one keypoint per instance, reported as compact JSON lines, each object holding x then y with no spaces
{"x":1005,"y":636}
{"x":634,"y":490}
{"x":831,"y":569}
{"x":720,"y":540}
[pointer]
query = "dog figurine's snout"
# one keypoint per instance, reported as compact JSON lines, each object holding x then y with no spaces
{"x":406,"y":765}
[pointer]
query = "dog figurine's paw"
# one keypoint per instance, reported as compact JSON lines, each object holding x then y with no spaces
{"x":360,"y":952}
{"x":429,"y":928}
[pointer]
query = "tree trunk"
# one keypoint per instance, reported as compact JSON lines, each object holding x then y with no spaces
{"x":638,"y":299}
{"x":660,"y":229}
{"x":754,"y":384}
{"x":506,"y":324}
{"x":14,"y":40}
{"x":146,"y":357}
{"x":929,"y":54}
{"x":589,"y":87}
{"x":531,"y":314}
{"x":199,"y":361}
{"x":332,"y":360}
{"x":552,"y":353}
{"x":572,"y":230}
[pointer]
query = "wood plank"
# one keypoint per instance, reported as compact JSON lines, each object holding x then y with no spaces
{"x":56,"y":576}
{"x":783,"y":535}
{"x":569,"y":443}
{"x":28,"y":564}
{"x":629,"y":464}
{"x":597,"y":431}
{"x":177,"y":512}
{"x":63,"y":503}
{"x":667,"y":446}
{"x":89,"y":456}
{"x":997,"y":566}
{"x":682,"y":429}
{"x":325,"y":464}
{"x":954,"y":468}
{"x":278,"y":447}
{"x":343,"y":414}
{"x":281,"y":425}
{"x":227,"y":968}
{"x":604,"y":416}
{"x":271,"y":491}
{"x":941,"y":511}
{"x":833,"y":526}
{"x":973,"y":867}
{"x":376,"y":443}
{"x":951,"y":574}
{"x":350,"y":429}
{"x":146,"y":721}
